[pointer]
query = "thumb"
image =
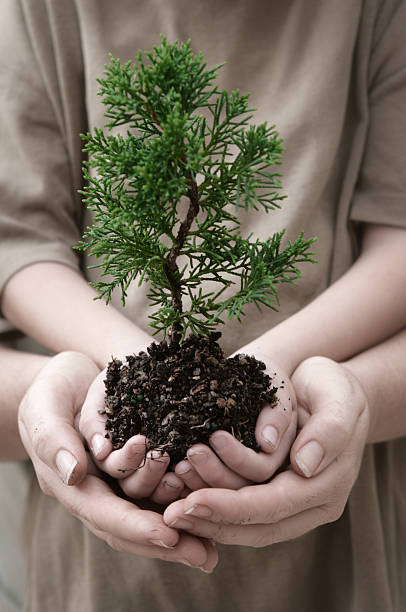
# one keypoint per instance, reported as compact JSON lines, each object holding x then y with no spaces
{"x":92,"y":424}
{"x":330,"y":403}
{"x":47,"y":415}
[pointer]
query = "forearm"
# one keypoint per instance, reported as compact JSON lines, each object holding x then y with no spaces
{"x":62,"y":314}
{"x":17,"y":371}
{"x":382,"y":372}
{"x":364,"y":307}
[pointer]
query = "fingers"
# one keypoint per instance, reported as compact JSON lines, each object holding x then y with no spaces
{"x":144,"y":480}
{"x":212,"y":555}
{"x":261,"y":515}
{"x":333,"y":413}
{"x":192,"y":480}
{"x":125,"y":461}
{"x":47,"y":415}
{"x":262,"y":534}
{"x":331,"y":403}
{"x":249,"y":505}
{"x":169,"y":488}
{"x":211,"y":470}
{"x":92,"y":424}
{"x":123,"y":526}
{"x":275,"y":432}
{"x":234,"y":465}
{"x":286,"y":495}
{"x":94,"y":502}
{"x":191,"y":550}
{"x":126,"y":528}
{"x":141,"y":473}
{"x":275,"y":421}
{"x":247,"y":463}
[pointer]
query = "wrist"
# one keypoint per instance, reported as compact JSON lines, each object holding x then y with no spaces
{"x":120,"y":341}
{"x":274,"y":345}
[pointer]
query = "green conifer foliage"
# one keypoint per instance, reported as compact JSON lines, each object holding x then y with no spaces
{"x":184,"y":138}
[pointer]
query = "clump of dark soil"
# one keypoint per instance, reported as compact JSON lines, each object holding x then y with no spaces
{"x":177,"y":395}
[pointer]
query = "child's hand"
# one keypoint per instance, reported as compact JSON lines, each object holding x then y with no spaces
{"x":141,"y":472}
{"x":333,"y":421}
{"x":233,"y":465}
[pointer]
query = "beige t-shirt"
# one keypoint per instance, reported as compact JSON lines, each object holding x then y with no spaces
{"x":331,"y":76}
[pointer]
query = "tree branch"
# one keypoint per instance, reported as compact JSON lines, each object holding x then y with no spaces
{"x":171,"y":267}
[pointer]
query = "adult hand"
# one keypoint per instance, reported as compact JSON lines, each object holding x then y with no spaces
{"x":47,"y":428}
{"x":233,"y":465}
{"x":325,"y":458}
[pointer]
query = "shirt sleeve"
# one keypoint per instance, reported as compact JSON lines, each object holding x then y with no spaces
{"x":39,"y":205}
{"x":380,"y":195}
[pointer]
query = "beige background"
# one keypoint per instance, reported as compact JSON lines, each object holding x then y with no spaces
{"x":13,"y":485}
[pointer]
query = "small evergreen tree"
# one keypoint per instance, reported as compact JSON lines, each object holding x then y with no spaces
{"x":185,"y":139}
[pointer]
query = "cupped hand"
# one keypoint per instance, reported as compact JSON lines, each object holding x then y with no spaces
{"x":325,"y":460}
{"x":230,"y":464}
{"x":47,"y":428}
{"x":140,"y":471}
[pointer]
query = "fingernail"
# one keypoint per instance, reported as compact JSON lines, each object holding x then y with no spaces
{"x":66,"y":464}
{"x":206,"y":571}
{"x":155,"y":455}
{"x":309,"y":458}
{"x":270,"y":434}
{"x":181,"y":523}
{"x":97,"y":444}
{"x":200,"y":511}
{"x":197,"y":456}
{"x":171,"y":485}
{"x":183,"y":468}
{"x":160,"y":543}
{"x":219,"y":442}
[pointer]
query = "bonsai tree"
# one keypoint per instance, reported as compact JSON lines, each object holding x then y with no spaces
{"x":167,"y":195}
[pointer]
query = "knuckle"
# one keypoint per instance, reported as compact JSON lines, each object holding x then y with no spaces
{"x":333,"y":511}
{"x":338,"y":511}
